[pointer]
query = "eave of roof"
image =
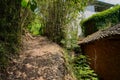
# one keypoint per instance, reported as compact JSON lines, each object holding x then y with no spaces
{"x":115,"y":30}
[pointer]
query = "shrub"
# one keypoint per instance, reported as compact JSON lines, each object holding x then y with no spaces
{"x":35,"y":26}
{"x":101,"y":20}
{"x":82,"y":69}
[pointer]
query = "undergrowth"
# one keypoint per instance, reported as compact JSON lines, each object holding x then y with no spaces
{"x":10,"y":30}
{"x":82,"y":69}
{"x":3,"y":56}
{"x":79,"y":67}
{"x":35,"y":26}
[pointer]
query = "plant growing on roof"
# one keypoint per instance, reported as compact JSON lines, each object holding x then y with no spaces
{"x":101,"y":20}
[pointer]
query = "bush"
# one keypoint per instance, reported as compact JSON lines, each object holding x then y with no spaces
{"x":101,"y":20}
{"x":35,"y":26}
{"x":82,"y":69}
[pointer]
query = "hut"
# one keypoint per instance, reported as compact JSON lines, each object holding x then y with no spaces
{"x":103,"y":49}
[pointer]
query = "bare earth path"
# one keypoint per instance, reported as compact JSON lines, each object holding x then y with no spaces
{"x":40,"y":59}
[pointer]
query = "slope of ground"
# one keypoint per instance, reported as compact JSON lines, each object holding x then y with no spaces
{"x":40,"y":59}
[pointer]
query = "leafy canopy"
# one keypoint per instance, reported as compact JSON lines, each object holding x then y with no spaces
{"x":32,"y":4}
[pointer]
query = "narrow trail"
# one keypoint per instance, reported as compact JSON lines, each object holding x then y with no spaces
{"x":40,"y":59}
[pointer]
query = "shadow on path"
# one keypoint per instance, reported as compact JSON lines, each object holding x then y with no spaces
{"x":40,"y":59}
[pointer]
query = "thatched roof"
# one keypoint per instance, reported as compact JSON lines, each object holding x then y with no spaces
{"x":115,"y":30}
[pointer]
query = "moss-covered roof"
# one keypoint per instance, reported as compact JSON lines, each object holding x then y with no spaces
{"x":115,"y":30}
{"x":103,"y":14}
{"x":101,"y":20}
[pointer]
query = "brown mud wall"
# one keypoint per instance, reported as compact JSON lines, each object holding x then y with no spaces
{"x":104,"y":57}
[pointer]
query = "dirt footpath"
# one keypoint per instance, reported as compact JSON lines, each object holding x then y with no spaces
{"x":40,"y":59}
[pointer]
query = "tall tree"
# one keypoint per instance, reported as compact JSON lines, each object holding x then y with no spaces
{"x":57,"y":13}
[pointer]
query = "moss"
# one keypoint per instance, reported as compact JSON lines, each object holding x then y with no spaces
{"x":101,"y":20}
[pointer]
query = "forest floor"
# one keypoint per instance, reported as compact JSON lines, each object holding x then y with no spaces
{"x":40,"y":59}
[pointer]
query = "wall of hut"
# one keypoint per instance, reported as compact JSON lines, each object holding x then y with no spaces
{"x":104,"y":57}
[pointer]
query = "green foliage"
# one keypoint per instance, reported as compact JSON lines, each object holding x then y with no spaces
{"x":29,"y":3}
{"x":71,"y":34}
{"x":69,"y":63}
{"x":35,"y":26}
{"x":101,"y":20}
{"x":79,"y":66}
{"x":3,"y":55}
{"x":24,"y":3}
{"x":70,"y":44}
{"x":33,"y":5}
{"x":56,"y":14}
{"x":82,"y":69}
{"x":10,"y":29}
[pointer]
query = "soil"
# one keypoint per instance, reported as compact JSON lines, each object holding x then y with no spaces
{"x":40,"y":59}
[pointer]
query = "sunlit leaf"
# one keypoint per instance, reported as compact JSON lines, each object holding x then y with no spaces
{"x":24,"y":3}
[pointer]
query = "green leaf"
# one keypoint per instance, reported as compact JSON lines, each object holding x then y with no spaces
{"x":33,"y":5}
{"x":24,"y":3}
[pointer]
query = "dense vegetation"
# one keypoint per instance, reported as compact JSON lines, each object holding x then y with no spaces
{"x":10,"y":30}
{"x":13,"y":18}
{"x":101,"y":20}
{"x":56,"y":15}
{"x":50,"y":18}
{"x":82,"y":69}
{"x":79,"y":66}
